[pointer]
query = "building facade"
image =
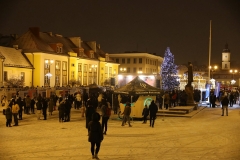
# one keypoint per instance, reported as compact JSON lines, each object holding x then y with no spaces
{"x":61,"y":61}
{"x":145,"y":65}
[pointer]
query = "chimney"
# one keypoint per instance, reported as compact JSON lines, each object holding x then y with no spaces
{"x":35,"y":31}
{"x":76,"y":41}
{"x":15,"y":46}
{"x":98,"y":46}
{"x":58,"y":35}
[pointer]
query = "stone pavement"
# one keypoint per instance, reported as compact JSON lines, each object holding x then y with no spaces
{"x":205,"y":136}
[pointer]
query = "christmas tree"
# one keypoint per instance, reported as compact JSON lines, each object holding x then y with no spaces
{"x":169,"y":72}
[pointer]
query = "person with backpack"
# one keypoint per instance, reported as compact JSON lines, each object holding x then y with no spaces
{"x":106,"y":113}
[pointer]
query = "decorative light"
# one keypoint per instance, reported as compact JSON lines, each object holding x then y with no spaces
{"x":233,"y":81}
{"x":212,"y":81}
{"x":49,"y":75}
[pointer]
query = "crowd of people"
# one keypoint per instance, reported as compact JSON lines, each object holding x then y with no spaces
{"x":94,"y":110}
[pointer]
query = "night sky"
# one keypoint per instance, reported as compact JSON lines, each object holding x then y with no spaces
{"x":134,"y":25}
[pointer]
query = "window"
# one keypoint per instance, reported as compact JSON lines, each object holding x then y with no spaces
{"x":5,"y":76}
{"x":117,"y":60}
{"x":59,"y":49}
{"x":80,"y":72}
{"x":72,"y":75}
{"x":140,"y":60}
{"x":123,"y":61}
{"x":128,"y":60}
{"x":134,"y":70}
{"x":226,"y":66}
{"x":64,"y":66}
{"x":64,"y":73}
{"x":134,"y":60}
{"x":57,"y":73}
{"x":22,"y":76}
{"x":79,"y":67}
{"x":58,"y":65}
{"x":110,"y":71}
{"x":128,"y":70}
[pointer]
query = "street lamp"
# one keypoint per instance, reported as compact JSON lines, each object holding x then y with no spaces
{"x":233,"y":72}
{"x":213,"y":69}
{"x":123,"y":69}
{"x":212,"y":80}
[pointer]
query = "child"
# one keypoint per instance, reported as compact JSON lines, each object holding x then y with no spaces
{"x":8,"y":114}
{"x":145,"y":113}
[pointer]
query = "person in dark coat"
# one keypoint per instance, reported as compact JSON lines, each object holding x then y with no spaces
{"x":145,"y":113}
{"x":21,"y":105}
{"x":225,"y":102}
{"x":51,"y":106}
{"x":39,"y":108}
{"x":89,"y":112}
{"x":68,"y":106}
{"x":153,"y":112}
{"x":95,"y":134}
{"x":32,"y":105}
{"x":105,"y":116}
{"x":231,"y":99}
{"x":212,"y":100}
{"x":61,"y":109}
{"x":44,"y":108}
{"x":8,"y":114}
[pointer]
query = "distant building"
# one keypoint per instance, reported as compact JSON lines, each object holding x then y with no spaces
{"x":145,"y":65}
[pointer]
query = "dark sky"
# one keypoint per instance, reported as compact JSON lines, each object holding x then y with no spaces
{"x":134,"y":25}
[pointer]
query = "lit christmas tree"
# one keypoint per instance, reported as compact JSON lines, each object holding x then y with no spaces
{"x":169,"y":72}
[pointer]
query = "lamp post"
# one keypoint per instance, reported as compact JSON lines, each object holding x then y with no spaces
{"x":233,"y":72}
{"x":212,"y":80}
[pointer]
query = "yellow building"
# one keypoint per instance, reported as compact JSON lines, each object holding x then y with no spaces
{"x":145,"y":65}
{"x":62,"y":61}
{"x":14,"y":67}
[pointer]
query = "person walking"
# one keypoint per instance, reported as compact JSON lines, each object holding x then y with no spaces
{"x":32,"y":105}
{"x":21,"y":106}
{"x":105,"y":116}
{"x":50,"y":106}
{"x":95,"y":134}
{"x":8,"y":114}
{"x":28,"y":104}
{"x":89,"y":112}
{"x":225,"y":102}
{"x":39,"y":108}
{"x":153,"y":112}
{"x":126,"y":113}
{"x":44,"y":108}
{"x":145,"y":113}
{"x":15,"y":109}
{"x":231,"y":99}
{"x":166,"y":100}
{"x":61,"y":109}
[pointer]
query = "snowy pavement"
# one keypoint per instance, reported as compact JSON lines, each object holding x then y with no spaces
{"x":205,"y":136}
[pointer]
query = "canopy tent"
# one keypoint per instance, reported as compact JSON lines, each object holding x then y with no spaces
{"x":138,"y":87}
{"x":94,"y":88}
